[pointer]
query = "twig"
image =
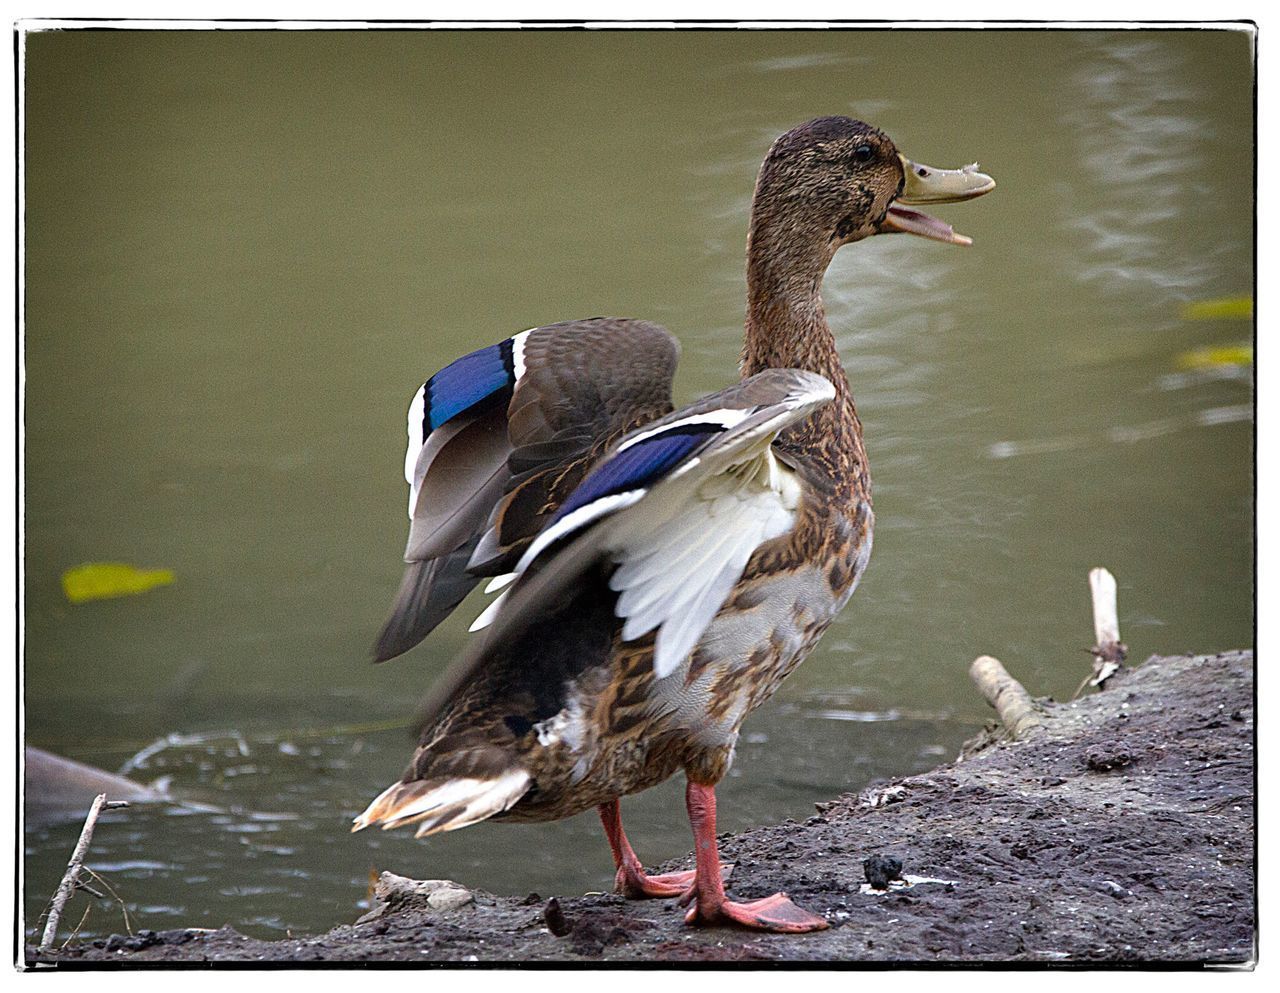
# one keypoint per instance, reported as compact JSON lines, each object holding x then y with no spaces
{"x":68,"y":884}
{"x":111,"y":889}
{"x":1013,"y":703}
{"x":76,"y":930}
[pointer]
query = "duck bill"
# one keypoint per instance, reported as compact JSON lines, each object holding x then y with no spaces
{"x":924,"y":184}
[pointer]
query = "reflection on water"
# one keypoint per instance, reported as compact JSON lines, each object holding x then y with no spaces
{"x":1138,"y":118}
{"x":1127,"y":435}
{"x":809,"y":60}
{"x":245,"y":251}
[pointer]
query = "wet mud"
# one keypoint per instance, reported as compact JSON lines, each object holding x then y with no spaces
{"x":1123,"y":832}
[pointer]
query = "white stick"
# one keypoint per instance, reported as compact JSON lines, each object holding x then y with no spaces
{"x":1106,"y":622}
{"x":68,"y":884}
{"x":1108,"y":650}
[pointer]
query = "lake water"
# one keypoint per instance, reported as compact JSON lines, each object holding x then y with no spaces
{"x":244,"y":252}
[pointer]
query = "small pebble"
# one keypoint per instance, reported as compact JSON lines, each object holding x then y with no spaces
{"x":555,"y":919}
{"x":449,"y":898}
{"x":1115,"y":889}
{"x":1104,"y":759}
{"x":881,"y":869}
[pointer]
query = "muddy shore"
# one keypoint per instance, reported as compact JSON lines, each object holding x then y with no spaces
{"x":1121,"y":832}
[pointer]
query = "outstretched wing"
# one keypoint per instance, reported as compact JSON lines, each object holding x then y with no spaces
{"x":499,"y":438}
{"x":674,"y":512}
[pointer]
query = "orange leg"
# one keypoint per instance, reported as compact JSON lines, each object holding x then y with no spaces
{"x":631,"y":880}
{"x":710,"y":905}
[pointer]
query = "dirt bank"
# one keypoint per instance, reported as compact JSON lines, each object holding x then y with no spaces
{"x":1122,"y":832}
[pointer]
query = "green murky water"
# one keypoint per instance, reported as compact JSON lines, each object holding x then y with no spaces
{"x":244,"y":251}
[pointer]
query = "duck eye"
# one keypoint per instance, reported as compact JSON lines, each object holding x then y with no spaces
{"x":863,"y":153}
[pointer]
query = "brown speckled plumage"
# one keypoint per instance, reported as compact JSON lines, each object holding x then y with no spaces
{"x":557,"y":712}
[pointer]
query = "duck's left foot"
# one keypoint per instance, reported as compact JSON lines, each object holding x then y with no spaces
{"x":634,"y":884}
{"x":630,"y":879}
{"x":774,"y":913}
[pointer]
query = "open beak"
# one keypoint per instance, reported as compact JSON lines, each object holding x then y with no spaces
{"x":926,"y":185}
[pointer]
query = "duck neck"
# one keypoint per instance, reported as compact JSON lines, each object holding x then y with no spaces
{"x":786,"y":324}
{"x":787,"y":328}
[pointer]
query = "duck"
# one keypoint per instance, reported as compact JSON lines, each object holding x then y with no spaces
{"x":659,"y":571}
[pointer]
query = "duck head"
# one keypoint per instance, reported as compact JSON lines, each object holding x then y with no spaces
{"x":836,"y":180}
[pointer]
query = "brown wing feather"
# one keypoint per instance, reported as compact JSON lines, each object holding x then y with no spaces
{"x":466,"y":476}
{"x":495,"y":480}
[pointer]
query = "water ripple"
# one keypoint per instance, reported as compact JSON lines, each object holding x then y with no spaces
{"x":1132,"y":114}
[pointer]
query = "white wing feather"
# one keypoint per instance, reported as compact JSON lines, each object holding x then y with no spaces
{"x":681,"y":546}
{"x":676,"y":577}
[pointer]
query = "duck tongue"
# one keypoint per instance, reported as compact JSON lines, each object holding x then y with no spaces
{"x":903,"y":219}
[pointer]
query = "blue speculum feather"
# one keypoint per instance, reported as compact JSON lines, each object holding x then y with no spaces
{"x":639,"y":466}
{"x":466,"y":382}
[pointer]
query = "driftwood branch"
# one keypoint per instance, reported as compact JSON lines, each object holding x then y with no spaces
{"x":72,"y":876}
{"x":1013,"y":703}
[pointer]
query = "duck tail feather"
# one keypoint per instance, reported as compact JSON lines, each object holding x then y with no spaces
{"x":445,"y":804}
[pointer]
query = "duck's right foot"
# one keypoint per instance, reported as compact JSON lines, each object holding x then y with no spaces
{"x":774,"y":913}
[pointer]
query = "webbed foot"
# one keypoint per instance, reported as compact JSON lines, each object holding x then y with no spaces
{"x":634,"y":884}
{"x":773,"y":913}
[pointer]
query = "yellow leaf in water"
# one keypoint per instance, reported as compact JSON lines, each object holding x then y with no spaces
{"x":100,"y":580}
{"x":1211,"y":358}
{"x":1230,"y":308}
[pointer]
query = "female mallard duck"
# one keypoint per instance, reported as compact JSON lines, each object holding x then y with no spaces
{"x":665,"y":569}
